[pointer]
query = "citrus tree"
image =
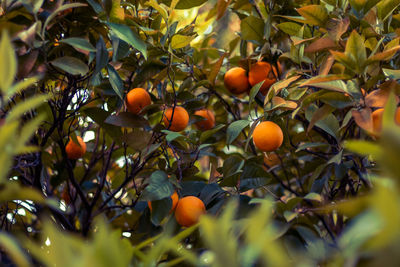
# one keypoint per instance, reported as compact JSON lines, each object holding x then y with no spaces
{"x":199,"y":133}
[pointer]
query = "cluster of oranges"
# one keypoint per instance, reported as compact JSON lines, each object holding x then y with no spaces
{"x":237,"y":81}
{"x":267,"y":136}
{"x":187,"y":209}
{"x":175,"y":118}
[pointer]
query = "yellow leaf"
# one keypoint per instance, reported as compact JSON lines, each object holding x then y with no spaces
{"x":8,"y":65}
{"x":180,"y":41}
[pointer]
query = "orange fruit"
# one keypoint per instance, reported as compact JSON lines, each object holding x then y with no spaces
{"x":209,"y":121}
{"x":189,"y":210}
{"x":262,"y":71}
{"x":236,"y":80}
{"x":271,"y":160}
{"x":74,"y":150}
{"x":175,"y":199}
{"x":179,"y":120}
{"x":377,"y":116}
{"x":267,"y":136}
{"x":137,"y":99}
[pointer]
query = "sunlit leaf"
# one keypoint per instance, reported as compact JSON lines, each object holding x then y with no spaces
{"x":314,"y":14}
{"x":8,"y":66}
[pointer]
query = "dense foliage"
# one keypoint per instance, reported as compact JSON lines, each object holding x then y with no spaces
{"x":328,"y":196}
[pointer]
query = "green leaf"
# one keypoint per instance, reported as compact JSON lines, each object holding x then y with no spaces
{"x":359,"y":231}
{"x":11,"y":247}
{"x":79,"y":43}
{"x":232,"y":165}
{"x":125,"y":33}
{"x":337,"y":159}
{"x":27,"y":131}
{"x":289,"y":215}
{"x":290,"y":28}
{"x":329,"y":124}
{"x":96,"y":7}
{"x":8,"y":65}
{"x":364,"y":148}
{"x":71,"y":65}
{"x":126,"y":119}
{"x":388,"y":119}
{"x":25,"y":106}
{"x":309,"y":145}
{"x":385,"y":8}
{"x":99,"y":116}
{"x":159,"y":187}
{"x":313,"y":196}
{"x":234,"y":130}
{"x":37,"y":4}
{"x":206,"y":134}
{"x":137,"y":139}
{"x":252,"y":28}
{"x":336,"y":100}
{"x":159,"y":8}
{"x":314,"y":14}
{"x":180,"y":41}
{"x":101,"y":55}
{"x":329,"y":82}
{"x":21,"y":85}
{"x":320,"y":114}
{"x":160,"y":209}
{"x":392,"y":74}
{"x":346,"y":61}
{"x":116,"y":82}
{"x":171,"y":136}
{"x":186,"y":4}
{"x":363,"y":5}
{"x":13,"y":191}
{"x":57,"y":11}
{"x":355,"y":49}
{"x":254,"y":91}
{"x":253,"y":176}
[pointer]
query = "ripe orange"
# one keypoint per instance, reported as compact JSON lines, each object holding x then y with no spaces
{"x":271,"y":160}
{"x":377,"y":116}
{"x":137,"y":99}
{"x":179,"y":120}
{"x":236,"y":80}
{"x":175,"y":199}
{"x":74,"y":150}
{"x":262,"y":71}
{"x":189,"y":210}
{"x":267,"y":136}
{"x":209,"y":121}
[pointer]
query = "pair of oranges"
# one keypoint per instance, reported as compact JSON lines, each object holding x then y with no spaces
{"x":187,"y":209}
{"x":175,"y":118}
{"x":237,"y":81}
